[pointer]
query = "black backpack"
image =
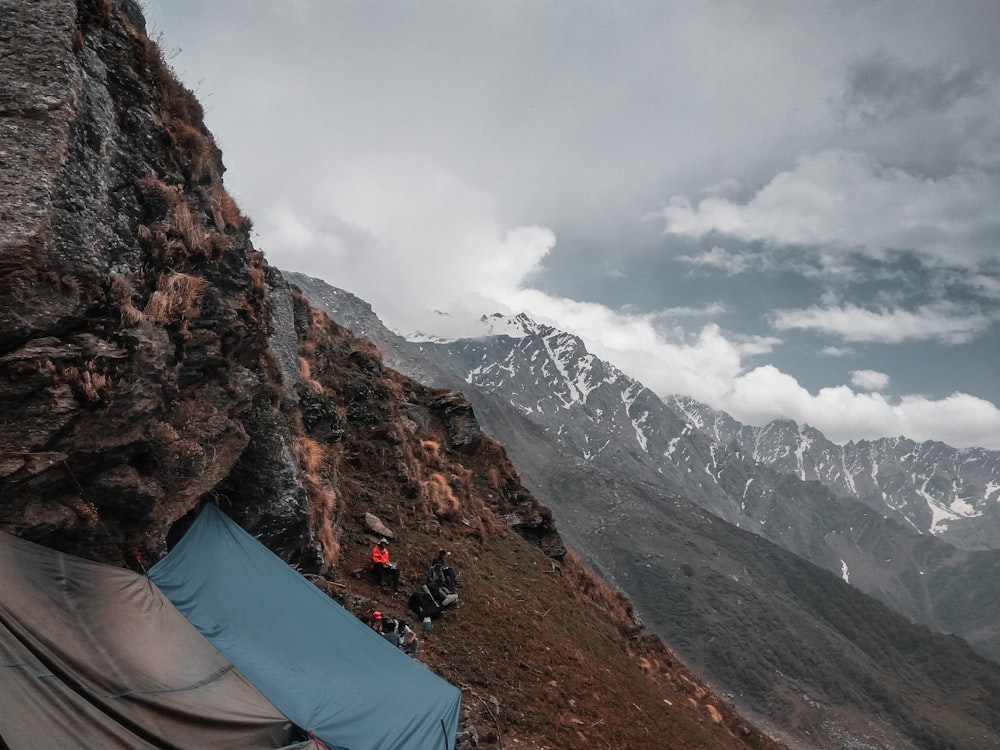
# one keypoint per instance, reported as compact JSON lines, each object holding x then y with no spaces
{"x":423,"y":605}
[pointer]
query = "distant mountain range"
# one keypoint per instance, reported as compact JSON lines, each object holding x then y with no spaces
{"x":915,"y":525}
{"x":952,"y":494}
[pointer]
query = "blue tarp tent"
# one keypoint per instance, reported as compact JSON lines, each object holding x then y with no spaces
{"x":322,"y":667}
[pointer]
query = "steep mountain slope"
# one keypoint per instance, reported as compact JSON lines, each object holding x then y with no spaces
{"x":607,"y":419}
{"x":764,"y":625}
{"x":150,"y":361}
{"x":534,"y":629}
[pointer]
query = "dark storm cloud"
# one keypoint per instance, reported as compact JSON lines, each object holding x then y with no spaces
{"x":880,"y":88}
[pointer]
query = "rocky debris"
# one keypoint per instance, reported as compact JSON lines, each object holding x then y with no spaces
{"x":531,"y":522}
{"x":374,"y":525}
{"x":463,"y":429}
{"x":467,"y":738}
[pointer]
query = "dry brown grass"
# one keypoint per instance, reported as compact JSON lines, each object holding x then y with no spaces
{"x":197,"y":146}
{"x":317,"y":465}
{"x":225,"y":213}
{"x":430,"y":454}
{"x":323,"y":509}
{"x":88,"y":385}
{"x":309,"y":454}
{"x":586,"y":585}
{"x":437,"y":491}
{"x":257,"y":273}
{"x":160,"y":196}
{"x":188,"y":228}
{"x":318,"y":318}
{"x":179,"y":454}
{"x":122,"y":294}
{"x":175,"y":298}
{"x":305,"y":372}
{"x":179,"y":229}
{"x":369,"y":351}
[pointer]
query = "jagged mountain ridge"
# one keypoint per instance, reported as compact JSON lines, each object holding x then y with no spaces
{"x":951,"y":493}
{"x":637,"y":432}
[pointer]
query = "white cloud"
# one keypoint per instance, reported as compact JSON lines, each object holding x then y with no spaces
{"x":409,"y":238}
{"x":724,"y":260}
{"x":848,"y":200}
{"x":502,"y":118}
{"x":836,"y":351}
{"x":766,"y":393}
{"x":869,"y":380}
{"x":941,"y":321}
{"x":708,"y":310}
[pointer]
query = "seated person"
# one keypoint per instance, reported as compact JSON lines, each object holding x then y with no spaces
{"x":380,"y":564}
{"x":390,"y":631}
{"x":407,"y":639}
{"x":440,"y":573}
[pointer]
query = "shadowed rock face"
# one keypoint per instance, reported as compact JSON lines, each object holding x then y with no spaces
{"x":132,"y":304}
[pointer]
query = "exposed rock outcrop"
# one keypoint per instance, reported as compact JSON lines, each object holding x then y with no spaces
{"x":134,"y":361}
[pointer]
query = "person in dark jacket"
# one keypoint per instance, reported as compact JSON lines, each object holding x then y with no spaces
{"x":440,"y":573}
{"x":390,"y":631}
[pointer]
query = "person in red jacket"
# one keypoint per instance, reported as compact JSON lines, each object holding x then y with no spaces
{"x":381,"y":566}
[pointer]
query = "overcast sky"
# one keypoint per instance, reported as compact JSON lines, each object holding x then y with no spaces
{"x":783,"y":209}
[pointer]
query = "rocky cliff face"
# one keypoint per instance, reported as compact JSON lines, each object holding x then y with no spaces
{"x":133,"y":330}
{"x":150,"y":358}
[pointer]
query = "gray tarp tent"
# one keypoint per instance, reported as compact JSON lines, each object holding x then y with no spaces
{"x":323,"y":668}
{"x":93,"y":656}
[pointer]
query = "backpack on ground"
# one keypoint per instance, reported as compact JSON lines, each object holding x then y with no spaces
{"x":442,"y":595}
{"x":422,"y":604}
